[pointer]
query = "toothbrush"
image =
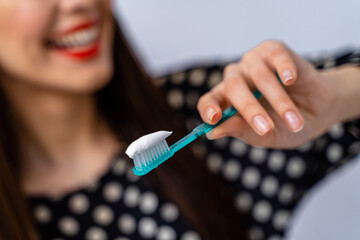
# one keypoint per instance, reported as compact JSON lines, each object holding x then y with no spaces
{"x":149,"y":151}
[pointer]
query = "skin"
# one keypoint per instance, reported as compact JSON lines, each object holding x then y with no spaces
{"x":315,"y":99}
{"x":64,"y":142}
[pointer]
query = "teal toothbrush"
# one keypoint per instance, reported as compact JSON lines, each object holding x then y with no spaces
{"x":156,"y":150}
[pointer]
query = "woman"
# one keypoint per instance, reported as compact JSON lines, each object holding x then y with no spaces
{"x":69,"y":107}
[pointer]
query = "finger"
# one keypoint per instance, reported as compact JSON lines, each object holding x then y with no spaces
{"x":210,"y":105}
{"x":278,"y":56}
{"x":240,"y":96}
{"x":237,"y":127}
{"x":266,"y":82}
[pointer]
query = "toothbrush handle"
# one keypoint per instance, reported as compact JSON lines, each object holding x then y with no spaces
{"x":205,"y":127}
{"x":227,"y":113}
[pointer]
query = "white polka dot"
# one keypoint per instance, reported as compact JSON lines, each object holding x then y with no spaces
{"x":190,"y":235}
{"x":68,"y":226}
{"x":275,"y":237}
{"x":131,"y":196}
{"x":262,"y":211}
{"x":192,"y":99}
{"x":178,"y":77}
{"x":127,"y":223}
{"x":281,"y":219}
{"x":256,"y":233}
{"x":166,"y":233}
{"x":251,"y":177}
{"x":103,"y":215}
{"x":276,"y":161}
{"x":147,"y":227}
{"x":269,"y":186}
{"x":238,"y":147}
{"x":286,"y":193}
{"x":148,"y":203}
{"x":112,"y":191}
{"x":175,"y":98}
{"x":79,"y":203}
{"x":214,"y":162}
{"x":334,"y":152}
{"x":295,"y":167}
{"x":120,"y":167}
{"x":231,"y":169}
{"x":95,"y":233}
{"x":243,"y":202}
{"x":257,"y":155}
{"x":131,"y":176}
{"x":197,"y":77}
{"x":42,"y":214}
{"x":169,"y":212}
{"x":214,"y":79}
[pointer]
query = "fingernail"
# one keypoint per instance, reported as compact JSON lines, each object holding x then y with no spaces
{"x":294,"y":122}
{"x":287,"y":76}
{"x":208,"y":135}
{"x":211,"y":113}
{"x":261,"y":124}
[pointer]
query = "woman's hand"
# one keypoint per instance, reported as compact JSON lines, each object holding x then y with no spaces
{"x":290,"y":113}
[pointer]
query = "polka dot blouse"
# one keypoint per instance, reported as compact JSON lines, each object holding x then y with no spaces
{"x":267,"y":183}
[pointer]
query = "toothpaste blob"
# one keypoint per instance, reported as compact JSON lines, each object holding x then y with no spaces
{"x":146,"y":142}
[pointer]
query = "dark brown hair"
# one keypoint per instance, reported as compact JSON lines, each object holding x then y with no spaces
{"x":132,"y":106}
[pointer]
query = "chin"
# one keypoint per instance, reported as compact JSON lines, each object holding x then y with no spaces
{"x":91,"y":82}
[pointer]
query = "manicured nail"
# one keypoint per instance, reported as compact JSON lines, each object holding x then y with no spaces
{"x":261,"y":124}
{"x":209,"y":135}
{"x":211,"y":113}
{"x":287,"y":76}
{"x":293,"y":120}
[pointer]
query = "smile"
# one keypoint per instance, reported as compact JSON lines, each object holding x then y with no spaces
{"x":81,"y":42}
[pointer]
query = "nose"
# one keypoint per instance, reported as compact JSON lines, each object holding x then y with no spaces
{"x":74,"y":6}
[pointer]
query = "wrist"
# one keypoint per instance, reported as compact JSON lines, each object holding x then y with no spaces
{"x":346,"y":81}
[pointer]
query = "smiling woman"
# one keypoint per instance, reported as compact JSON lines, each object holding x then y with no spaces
{"x":72,"y":96}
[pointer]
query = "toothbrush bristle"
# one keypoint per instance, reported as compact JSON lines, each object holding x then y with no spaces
{"x":152,"y":157}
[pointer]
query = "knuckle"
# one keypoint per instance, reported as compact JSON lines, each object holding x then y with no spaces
{"x":202,"y":101}
{"x":230,"y":83}
{"x":278,"y":52}
{"x":229,"y":68}
{"x":249,"y":108}
{"x":270,"y":43}
{"x":273,"y":44}
{"x":247,"y":57}
{"x":261,"y":77}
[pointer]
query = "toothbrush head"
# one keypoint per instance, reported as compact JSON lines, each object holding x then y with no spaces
{"x":149,"y":151}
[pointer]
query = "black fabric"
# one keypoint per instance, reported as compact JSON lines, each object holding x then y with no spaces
{"x":267,"y":183}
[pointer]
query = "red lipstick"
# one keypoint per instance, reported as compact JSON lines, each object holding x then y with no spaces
{"x":74,"y":48}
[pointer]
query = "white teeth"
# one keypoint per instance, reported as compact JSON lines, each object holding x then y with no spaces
{"x":78,"y":39}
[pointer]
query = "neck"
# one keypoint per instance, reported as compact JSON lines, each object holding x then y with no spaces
{"x":58,"y":129}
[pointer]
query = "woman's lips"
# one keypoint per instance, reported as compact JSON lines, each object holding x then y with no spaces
{"x":80,"y":42}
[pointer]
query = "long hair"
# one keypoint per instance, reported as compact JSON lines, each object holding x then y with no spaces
{"x":132,"y":106}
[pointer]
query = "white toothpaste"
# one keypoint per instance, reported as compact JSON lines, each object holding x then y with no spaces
{"x":145,"y":142}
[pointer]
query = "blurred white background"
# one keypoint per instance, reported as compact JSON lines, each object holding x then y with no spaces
{"x":172,"y":34}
